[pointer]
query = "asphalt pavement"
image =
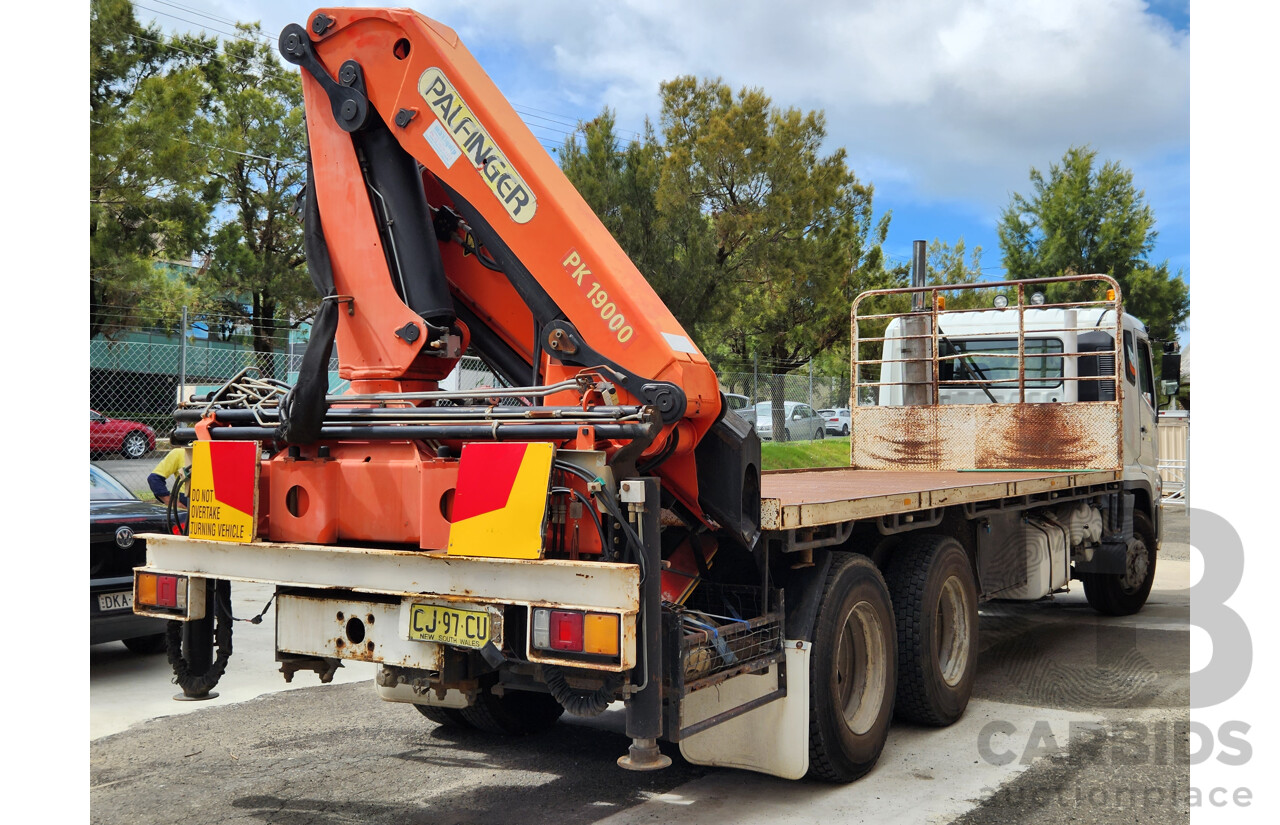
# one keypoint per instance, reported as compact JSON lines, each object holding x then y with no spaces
{"x":1075,"y":717}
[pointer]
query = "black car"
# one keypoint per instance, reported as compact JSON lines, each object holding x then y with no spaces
{"x":116,"y":517}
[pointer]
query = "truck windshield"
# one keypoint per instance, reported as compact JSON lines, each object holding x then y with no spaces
{"x":995,"y":359}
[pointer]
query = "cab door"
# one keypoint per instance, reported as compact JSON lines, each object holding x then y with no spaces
{"x":1139,"y":410}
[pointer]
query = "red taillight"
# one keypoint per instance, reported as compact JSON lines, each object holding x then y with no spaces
{"x":566,"y":630}
{"x":166,"y":591}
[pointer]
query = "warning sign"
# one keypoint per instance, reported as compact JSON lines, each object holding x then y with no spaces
{"x":224,"y":490}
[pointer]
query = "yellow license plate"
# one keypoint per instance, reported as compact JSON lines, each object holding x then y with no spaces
{"x":452,"y":626}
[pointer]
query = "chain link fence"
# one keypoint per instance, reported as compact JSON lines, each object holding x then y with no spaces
{"x":817,"y":390}
{"x":138,"y":375}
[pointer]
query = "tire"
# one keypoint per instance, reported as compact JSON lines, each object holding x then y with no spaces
{"x":935,"y":604}
{"x":1125,"y":595}
{"x":445,"y":717}
{"x":820,"y":434}
{"x":515,"y":713}
{"x":844,"y":430}
{"x":852,"y":671}
{"x":134,"y":445}
{"x":146,"y":645}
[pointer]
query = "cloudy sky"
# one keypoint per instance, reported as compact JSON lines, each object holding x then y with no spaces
{"x":943,"y":105}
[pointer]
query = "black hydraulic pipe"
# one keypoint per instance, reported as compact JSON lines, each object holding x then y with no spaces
{"x":497,"y":431}
{"x":197,"y":638}
{"x":510,"y":365}
{"x":413,"y":253}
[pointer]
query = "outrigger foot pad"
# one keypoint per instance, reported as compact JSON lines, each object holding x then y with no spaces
{"x":643,"y":755}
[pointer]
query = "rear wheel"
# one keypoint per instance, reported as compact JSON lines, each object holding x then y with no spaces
{"x":935,"y":603}
{"x":446,"y":717}
{"x":821,"y":433}
{"x":844,"y":430}
{"x":852,"y":674}
{"x":146,"y":645}
{"x":515,"y":713}
{"x":1125,"y":595}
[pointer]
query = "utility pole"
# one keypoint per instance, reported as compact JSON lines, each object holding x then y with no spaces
{"x":182,"y":356}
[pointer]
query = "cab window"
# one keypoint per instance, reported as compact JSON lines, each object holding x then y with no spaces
{"x":1145,"y":379}
{"x":1130,"y":368}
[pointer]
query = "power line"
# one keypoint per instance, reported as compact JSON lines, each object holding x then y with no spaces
{"x":232,"y":35}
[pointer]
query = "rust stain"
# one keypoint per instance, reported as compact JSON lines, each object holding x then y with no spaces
{"x":1037,"y":435}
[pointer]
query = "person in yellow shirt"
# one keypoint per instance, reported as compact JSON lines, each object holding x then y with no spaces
{"x":173,"y":463}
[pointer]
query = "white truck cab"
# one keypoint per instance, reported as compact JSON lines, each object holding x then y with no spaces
{"x":978,"y":364}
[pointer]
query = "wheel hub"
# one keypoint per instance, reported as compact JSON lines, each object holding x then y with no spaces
{"x":1136,"y":565}
{"x":952,"y":631}
{"x":861,"y":668}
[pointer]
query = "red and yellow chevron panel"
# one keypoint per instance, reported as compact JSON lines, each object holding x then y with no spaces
{"x":500,"y":503}
{"x":223,"y":501}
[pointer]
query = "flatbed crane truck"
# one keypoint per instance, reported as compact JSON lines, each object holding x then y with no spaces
{"x":599,"y":530}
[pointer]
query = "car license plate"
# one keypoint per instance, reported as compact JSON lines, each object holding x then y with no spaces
{"x":115,"y":601}
{"x":452,"y":626}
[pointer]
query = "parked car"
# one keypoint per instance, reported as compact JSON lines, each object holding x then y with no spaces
{"x":132,"y":439}
{"x":739,"y":404}
{"x":802,"y":422}
{"x":838,"y":420}
{"x":116,"y":517}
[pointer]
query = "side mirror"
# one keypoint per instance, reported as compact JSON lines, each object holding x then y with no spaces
{"x":1171,"y":366}
{"x":1169,"y":388}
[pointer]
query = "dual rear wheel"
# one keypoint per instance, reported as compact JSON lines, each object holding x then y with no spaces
{"x":904,"y":642}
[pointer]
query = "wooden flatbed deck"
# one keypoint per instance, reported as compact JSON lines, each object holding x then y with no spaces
{"x":808,"y":498}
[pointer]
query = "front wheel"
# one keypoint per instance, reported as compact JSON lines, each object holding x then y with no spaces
{"x":134,"y":445}
{"x":1125,"y":595}
{"x":852,"y":679}
{"x":821,"y":433}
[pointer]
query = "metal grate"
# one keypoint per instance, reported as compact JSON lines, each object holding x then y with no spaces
{"x":722,"y":631}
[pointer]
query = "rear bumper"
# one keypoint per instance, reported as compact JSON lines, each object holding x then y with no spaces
{"x":333,"y":579}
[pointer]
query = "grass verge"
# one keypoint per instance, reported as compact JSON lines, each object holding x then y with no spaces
{"x":795,"y":455}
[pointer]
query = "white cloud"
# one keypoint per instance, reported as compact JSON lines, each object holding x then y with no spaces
{"x":960,"y":97}
{"x":949,"y":100}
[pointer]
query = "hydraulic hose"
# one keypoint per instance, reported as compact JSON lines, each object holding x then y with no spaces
{"x":577,"y":702}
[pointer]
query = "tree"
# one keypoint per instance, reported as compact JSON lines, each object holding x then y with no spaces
{"x":145,"y":153}
{"x":256,"y":271}
{"x":793,"y":231}
{"x":672,"y":248}
{"x":1081,"y":220}
{"x":948,"y":264}
{"x":755,"y":239}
